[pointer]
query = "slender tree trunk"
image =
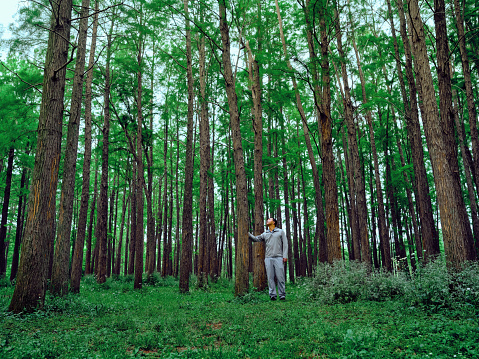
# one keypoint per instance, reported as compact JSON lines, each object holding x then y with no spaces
{"x":150,"y":227}
{"x":242,"y":259}
{"x":468,"y":168}
{"x":356,"y":181}
{"x":133,"y":221}
{"x":214,"y":273}
{"x":127,"y":239}
{"x":466,"y":71}
{"x":89,"y":235}
{"x":187,"y":221}
{"x":30,"y":287}
{"x":20,"y":221}
{"x":103,"y":200}
{"x":159,"y":226}
{"x":383,"y":233}
{"x":139,"y":250}
{"x":6,"y":203}
{"x":77,"y":260}
{"x":120,"y":238}
{"x":320,"y":229}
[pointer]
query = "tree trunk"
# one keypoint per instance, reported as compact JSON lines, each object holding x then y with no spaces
{"x":20,"y":221}
{"x":383,"y":233}
{"x":356,"y":184}
{"x":61,"y":259}
{"x":88,"y":257}
{"x":6,"y":203}
{"x":320,"y":229}
{"x":466,"y":71}
{"x":30,"y":288}
{"x":102,"y":220}
{"x":325,"y":126}
{"x":139,"y":246}
{"x":453,"y":228}
{"x":77,"y":260}
{"x":120,"y":238}
{"x":187,"y":220}
{"x":429,"y":233}
{"x":259,"y":269}
{"x":465,"y":242}
{"x":468,"y":168}
{"x":242,"y":259}
{"x":150,"y":221}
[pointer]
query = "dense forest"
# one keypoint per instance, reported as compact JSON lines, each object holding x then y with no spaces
{"x":150,"y":136}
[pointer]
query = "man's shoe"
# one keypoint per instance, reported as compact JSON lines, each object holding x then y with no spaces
{"x":282,"y":298}
{"x":273,"y":298}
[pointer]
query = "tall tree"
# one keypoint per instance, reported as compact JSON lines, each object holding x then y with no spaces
{"x":242,"y":252}
{"x":101,"y":228}
{"x":453,"y":225}
{"x":187,"y":220}
{"x":61,"y":259}
{"x":30,"y":288}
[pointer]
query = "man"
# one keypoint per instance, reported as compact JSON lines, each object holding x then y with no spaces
{"x":275,"y":255}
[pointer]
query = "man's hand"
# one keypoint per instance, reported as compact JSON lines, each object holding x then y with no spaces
{"x":285,"y":260}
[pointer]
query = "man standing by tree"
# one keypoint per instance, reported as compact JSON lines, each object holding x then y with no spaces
{"x":275,"y":255}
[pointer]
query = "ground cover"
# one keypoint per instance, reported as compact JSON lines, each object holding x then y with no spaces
{"x":115,"y":321}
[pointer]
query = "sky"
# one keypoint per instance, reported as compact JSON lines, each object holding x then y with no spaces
{"x":7,"y":9}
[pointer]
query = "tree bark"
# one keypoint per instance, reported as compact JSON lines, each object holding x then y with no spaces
{"x":89,"y":235}
{"x":242,"y":258}
{"x":383,"y":234}
{"x":325,"y":127}
{"x":259,"y":270}
{"x":320,"y":228}
{"x":187,"y":220}
{"x":30,"y":288}
{"x":429,"y":233}
{"x":356,"y":183}
{"x":466,"y":71}
{"x":6,"y":203}
{"x":465,"y":241}
{"x":77,"y":260}
{"x":452,"y":224}
{"x":139,"y":246}
{"x":20,"y":224}
{"x":102,"y":220}
{"x":61,"y":259}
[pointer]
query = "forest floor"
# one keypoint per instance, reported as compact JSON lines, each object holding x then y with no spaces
{"x":115,"y":321}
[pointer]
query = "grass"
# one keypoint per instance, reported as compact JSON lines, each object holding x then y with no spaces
{"x":115,"y":321}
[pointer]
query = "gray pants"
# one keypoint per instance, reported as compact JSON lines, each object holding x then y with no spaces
{"x":275,"y":267}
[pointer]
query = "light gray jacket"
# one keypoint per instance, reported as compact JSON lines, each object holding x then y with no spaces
{"x":276,"y":242}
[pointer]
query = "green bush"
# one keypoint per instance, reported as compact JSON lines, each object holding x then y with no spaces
{"x":382,"y":285}
{"x":342,"y":282}
{"x":429,"y":285}
{"x":432,"y":286}
{"x":465,"y":284}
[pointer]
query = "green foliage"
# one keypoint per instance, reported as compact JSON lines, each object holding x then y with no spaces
{"x":432,"y":287}
{"x":158,"y":322}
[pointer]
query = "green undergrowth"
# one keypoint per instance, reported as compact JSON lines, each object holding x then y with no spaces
{"x":114,"y":321}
